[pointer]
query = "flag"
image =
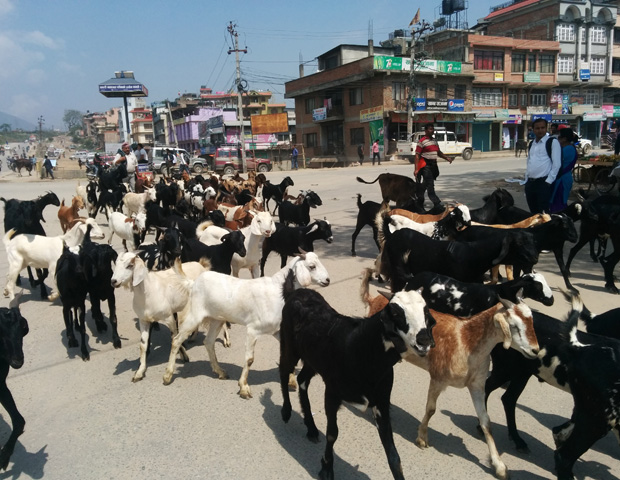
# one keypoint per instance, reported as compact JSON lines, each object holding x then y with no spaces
{"x":416,"y":19}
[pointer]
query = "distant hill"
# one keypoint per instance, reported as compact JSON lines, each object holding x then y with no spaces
{"x":16,"y":122}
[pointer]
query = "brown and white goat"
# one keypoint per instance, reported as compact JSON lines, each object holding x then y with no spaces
{"x":67,"y":214}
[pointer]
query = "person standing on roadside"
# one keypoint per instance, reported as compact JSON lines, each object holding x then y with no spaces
{"x":141,"y":154}
{"x":127,"y":157}
{"x":544,"y":160}
{"x":294,"y":155}
{"x":426,"y":170}
{"x":168,"y":161}
{"x":360,"y":152}
{"x":564,"y":180}
{"x":375,"y":152}
{"x":49,"y":169}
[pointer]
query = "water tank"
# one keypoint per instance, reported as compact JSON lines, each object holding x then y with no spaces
{"x":446,"y":7}
{"x":399,"y":33}
{"x":458,"y":5}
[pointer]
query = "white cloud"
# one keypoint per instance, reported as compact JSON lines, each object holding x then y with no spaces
{"x":70,"y":68}
{"x":41,"y":40}
{"x":27,"y":106}
{"x":6,"y":6}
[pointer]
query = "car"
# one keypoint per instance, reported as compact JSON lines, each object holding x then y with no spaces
{"x":227,"y":160}
{"x":156,"y":156}
{"x":447,"y":141}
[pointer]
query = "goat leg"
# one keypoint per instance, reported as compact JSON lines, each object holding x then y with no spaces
{"x":381,"y":414}
{"x":332,"y":404}
{"x":81,"y":311}
{"x":17,"y":421}
{"x":303,"y":379}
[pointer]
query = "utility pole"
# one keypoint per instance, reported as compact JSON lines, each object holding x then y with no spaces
{"x":416,"y":33}
{"x":41,"y":121}
{"x":235,"y":36}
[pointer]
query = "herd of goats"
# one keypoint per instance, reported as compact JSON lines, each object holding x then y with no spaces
{"x":442,"y":316}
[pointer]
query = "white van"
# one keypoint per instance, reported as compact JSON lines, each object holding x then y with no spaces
{"x":156,"y":156}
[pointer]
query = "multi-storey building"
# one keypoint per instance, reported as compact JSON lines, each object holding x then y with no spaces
{"x":142,"y":125}
{"x":102,"y":127}
{"x":360,"y":94}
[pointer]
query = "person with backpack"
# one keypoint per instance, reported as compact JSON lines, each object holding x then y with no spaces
{"x":564,"y":181}
{"x":544,"y":160}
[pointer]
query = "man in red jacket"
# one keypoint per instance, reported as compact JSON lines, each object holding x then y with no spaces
{"x":426,"y":169}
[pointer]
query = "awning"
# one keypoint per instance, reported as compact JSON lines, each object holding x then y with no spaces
{"x":443,"y":116}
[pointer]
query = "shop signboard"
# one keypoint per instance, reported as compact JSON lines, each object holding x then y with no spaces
{"x":545,"y":116}
{"x":611,"y":110}
{"x":433,"y":104}
{"x":594,"y":117}
{"x":420,"y":104}
{"x":370,"y":114}
{"x":502,"y":113}
{"x":584,"y":74}
{"x":499,"y":76}
{"x":531,"y":77}
{"x":515,"y":119}
{"x":385,"y":62}
{"x":319,"y":114}
{"x":443,"y":66}
{"x":456,"y":105}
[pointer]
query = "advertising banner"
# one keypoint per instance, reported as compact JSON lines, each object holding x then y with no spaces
{"x":370,"y":114}
{"x":272,"y":123}
{"x":319,"y":114}
{"x":456,"y":105}
{"x":420,"y":104}
{"x":384,"y":62}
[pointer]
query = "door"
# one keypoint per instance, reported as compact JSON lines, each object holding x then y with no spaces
{"x":480,"y":136}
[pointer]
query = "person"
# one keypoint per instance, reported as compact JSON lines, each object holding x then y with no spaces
{"x":530,"y":133}
{"x":168,"y":160}
{"x":617,"y":143}
{"x":544,"y":160}
{"x":426,"y":169}
{"x":47,"y":163}
{"x":126,"y":156}
{"x":141,"y":154}
{"x":564,"y":181}
{"x":360,"y":152}
{"x":554,"y":130}
{"x":183,"y":164}
{"x":375,"y":152}
{"x":97,"y":164}
{"x":294,"y":155}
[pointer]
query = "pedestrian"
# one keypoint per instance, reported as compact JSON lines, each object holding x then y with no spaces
{"x":168,"y":161}
{"x":126,"y":156}
{"x":47,"y":163}
{"x":183,"y":164}
{"x":564,"y":181}
{"x":294,"y":155}
{"x":426,"y":169}
{"x":141,"y":154}
{"x":544,"y":160}
{"x":530,"y":133}
{"x":375,"y":152}
{"x":360,"y":152}
{"x":554,"y":130}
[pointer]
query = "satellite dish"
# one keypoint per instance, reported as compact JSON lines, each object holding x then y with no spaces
{"x":440,"y":22}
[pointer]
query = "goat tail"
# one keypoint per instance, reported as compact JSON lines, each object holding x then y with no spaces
{"x":3,"y":199}
{"x":359,"y":200}
{"x":586,"y":315}
{"x":573,"y":319}
{"x":205,"y":262}
{"x":382,"y":222}
{"x":361,"y":180}
{"x":7,"y":237}
{"x":364,"y":292}
{"x":203,"y":226}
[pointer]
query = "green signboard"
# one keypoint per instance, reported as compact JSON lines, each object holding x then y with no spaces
{"x":443,"y":66}
{"x":531,"y":77}
{"x":384,"y":62}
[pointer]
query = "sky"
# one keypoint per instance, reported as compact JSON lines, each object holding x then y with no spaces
{"x":54,"y":54}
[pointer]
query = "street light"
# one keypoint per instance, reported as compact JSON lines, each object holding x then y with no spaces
{"x":41,"y":121}
{"x":123,"y":85}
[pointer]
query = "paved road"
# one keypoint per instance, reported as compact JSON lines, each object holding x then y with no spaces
{"x":87,"y":420}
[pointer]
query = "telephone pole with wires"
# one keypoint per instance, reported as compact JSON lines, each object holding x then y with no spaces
{"x":240,"y":88}
{"x":416,"y":33}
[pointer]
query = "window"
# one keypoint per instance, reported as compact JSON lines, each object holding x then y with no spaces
{"x":357,"y":136}
{"x":513,"y":97}
{"x":538,"y":98}
{"x":488,"y":60}
{"x":420,"y":90}
{"x":399,"y":92}
{"x":615,"y":65}
{"x":547,"y":63}
{"x":311,"y":140}
{"x":597,"y":65}
{"x":518,"y":62}
{"x":531,"y":62}
{"x":441,"y":91}
{"x":487,"y":97}
{"x":591,"y":97}
{"x":460,"y":92}
{"x":565,"y":32}
{"x":355,"y":96}
{"x":524,"y":99}
{"x":566,"y":63}
{"x":310,"y":105}
{"x":616,"y":35}
{"x":598,"y":35}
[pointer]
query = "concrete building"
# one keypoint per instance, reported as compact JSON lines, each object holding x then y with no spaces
{"x":102,"y":127}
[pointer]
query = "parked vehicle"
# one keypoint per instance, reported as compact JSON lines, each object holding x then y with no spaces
{"x":447,"y":141}
{"x":227,"y":160}
{"x":583,"y":146}
{"x":156,"y":156}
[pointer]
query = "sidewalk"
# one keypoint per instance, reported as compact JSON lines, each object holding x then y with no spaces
{"x":478,"y":155}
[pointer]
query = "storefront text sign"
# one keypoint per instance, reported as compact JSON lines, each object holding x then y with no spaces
{"x":370,"y":114}
{"x":319,"y":114}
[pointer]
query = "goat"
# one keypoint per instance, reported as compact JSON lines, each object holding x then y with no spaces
{"x":256,"y":303}
{"x":220,"y":255}
{"x":408,"y":252}
{"x":13,"y":329}
{"x":443,"y":229}
{"x":583,"y":364}
{"x":126,"y":228}
{"x":399,"y":188}
{"x":161,"y":255}
{"x":156,"y":296}
{"x":487,"y":214}
{"x":520,"y":146}
{"x":299,"y":214}
{"x":418,"y":217}
{"x":135,"y":202}
{"x":276,"y":192}
{"x":88,"y":193}
{"x":288,"y":240}
{"x":66,"y":215}
{"x":41,"y":252}
{"x":110,"y":200}
{"x":113,"y":178}
{"x":354,"y":356}
{"x":366,"y":214}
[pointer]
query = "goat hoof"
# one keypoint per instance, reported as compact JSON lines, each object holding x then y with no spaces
{"x":611,"y":289}
{"x":286,"y":413}
{"x":136,"y":378}
{"x":420,"y":442}
{"x":52,"y":297}
{"x":222,"y":376}
{"x":167,"y":379}
{"x":73,"y":343}
{"x":313,"y":437}
{"x":501,"y":472}
{"x":353,"y":254}
{"x":86,"y":358}
{"x":116,"y":342}
{"x":245,"y":393}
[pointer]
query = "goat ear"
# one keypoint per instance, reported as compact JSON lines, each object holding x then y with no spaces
{"x":391,"y":312}
{"x":520,"y":295}
{"x":302,"y":274}
{"x":504,"y":251}
{"x":503,"y":324}
{"x":302,"y":253}
{"x":139,"y":272}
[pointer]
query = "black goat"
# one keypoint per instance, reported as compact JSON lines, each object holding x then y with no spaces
{"x":161,"y":255}
{"x":354,"y":356}
{"x":447,"y":295}
{"x":299,"y":214}
{"x":113,"y":178}
{"x":287,"y":241}
{"x":13,"y":329}
{"x":110,"y":199}
{"x":407,"y":252}
{"x":276,"y":192}
{"x":156,"y":216}
{"x":91,"y":197}
{"x":25,"y":216}
{"x":492,"y":203}
{"x":166,"y":194}
{"x":366,"y":215}
{"x":585,"y":365}
{"x":219,"y":255}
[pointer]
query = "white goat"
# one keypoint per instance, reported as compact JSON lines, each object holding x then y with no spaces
{"x":157,"y":296}
{"x":256,"y":303}
{"x":126,"y":227}
{"x":38,"y":251}
{"x":134,"y":202}
{"x":262,"y":226}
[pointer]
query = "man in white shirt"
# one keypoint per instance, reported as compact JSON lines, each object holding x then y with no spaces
{"x":127,"y":156}
{"x":543,"y":164}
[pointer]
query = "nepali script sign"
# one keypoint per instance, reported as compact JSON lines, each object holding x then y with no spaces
{"x":371,"y":114}
{"x":385,"y":62}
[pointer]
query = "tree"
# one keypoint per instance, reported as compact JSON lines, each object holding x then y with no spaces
{"x":5,"y":127}
{"x":72,"y":119}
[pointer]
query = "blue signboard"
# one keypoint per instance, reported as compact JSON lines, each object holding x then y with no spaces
{"x":456,"y":105}
{"x":584,"y":74}
{"x":420,"y":103}
{"x":546,"y":116}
